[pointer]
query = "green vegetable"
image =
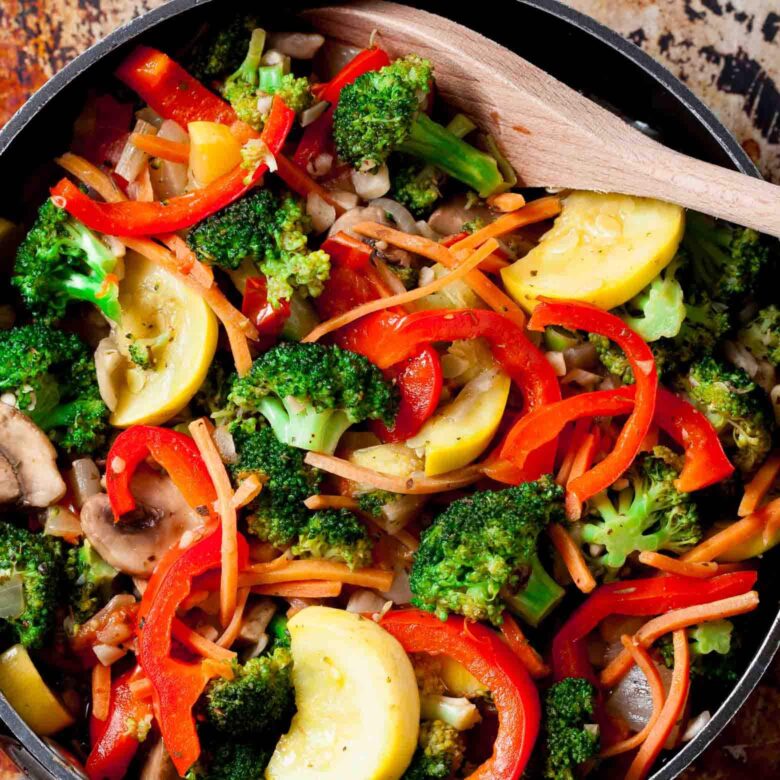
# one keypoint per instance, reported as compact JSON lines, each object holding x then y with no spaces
{"x":334,"y":535}
{"x":570,"y":734}
{"x":89,"y":580}
{"x":310,"y":394}
{"x":651,"y":514}
{"x":762,"y":335}
{"x":714,"y":648}
{"x":485,"y":546}
{"x":372,"y":502}
{"x":258,"y":701}
{"x":278,"y":635}
{"x":221,"y":50}
{"x":736,"y":407}
{"x":271,"y":231}
{"x":38,"y":560}
{"x":52,"y":377}
{"x":302,"y":320}
{"x":439,"y":755}
{"x":379,"y":113}
{"x":61,"y":261}
{"x":232,"y":761}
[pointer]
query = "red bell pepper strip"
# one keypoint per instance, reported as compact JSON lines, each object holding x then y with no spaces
{"x":637,"y":598}
{"x":113,"y":744}
{"x":268,"y":320}
{"x":175,"y":452}
{"x":170,"y":91}
{"x":317,"y":136}
{"x":582,"y":316}
{"x":136,"y":218}
{"x":177,"y":685}
{"x":347,"y":251}
{"x":491,"y":661}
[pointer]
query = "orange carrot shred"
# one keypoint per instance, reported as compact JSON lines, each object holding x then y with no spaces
{"x":572,"y":557}
{"x":322,"y":501}
{"x":230,"y":634}
{"x":164,"y":148}
{"x":579,"y":432}
{"x":141,"y":689}
{"x":307,"y":589}
{"x":506,"y":201}
{"x":583,"y":459}
{"x":101,"y":691}
{"x":666,"y":563}
{"x":522,"y":648}
{"x":249,"y":489}
{"x":197,"y":643}
{"x":760,"y":485}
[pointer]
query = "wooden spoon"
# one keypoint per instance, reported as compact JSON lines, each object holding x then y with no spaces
{"x":552,"y":135}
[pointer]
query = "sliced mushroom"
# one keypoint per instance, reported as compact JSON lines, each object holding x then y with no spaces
{"x":136,"y":543}
{"x":158,"y":764}
{"x":28,"y":462}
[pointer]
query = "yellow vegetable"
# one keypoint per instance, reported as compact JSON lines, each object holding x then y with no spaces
{"x":602,"y":249}
{"x":462,"y":430}
{"x":459,"y":680}
{"x":214,"y":151}
{"x":179,"y":334}
{"x":29,"y":695}
{"x":358,"y":708}
{"x":394,"y":459}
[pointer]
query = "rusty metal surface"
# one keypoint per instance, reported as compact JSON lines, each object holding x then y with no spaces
{"x":727,"y":51}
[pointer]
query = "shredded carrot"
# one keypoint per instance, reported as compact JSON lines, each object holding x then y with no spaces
{"x":535,"y":211}
{"x":164,"y":148}
{"x":101,"y":691}
{"x":492,"y":264}
{"x":141,"y":189}
{"x":506,"y":201}
{"x":672,"y":621}
{"x":402,"y":298}
{"x":703,"y":570}
{"x":249,"y":489}
{"x":642,"y":659}
{"x":227,"y":512}
{"x":188,"y":262}
{"x":197,"y":643}
{"x":572,"y":557}
{"x":522,"y":648}
{"x":315,"y":569}
{"x":230,"y":634}
{"x":92,"y":176}
{"x":141,"y":689}
{"x":670,"y":713}
{"x":314,"y":589}
{"x":760,"y":485}
{"x":195,"y":598}
{"x":583,"y":458}
{"x":580,"y":431}
{"x":493,"y":296}
{"x":734,"y":534}
{"x":322,"y":501}
{"x":410,"y":486}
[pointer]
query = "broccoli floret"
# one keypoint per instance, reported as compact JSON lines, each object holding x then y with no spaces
{"x":416,"y":186}
{"x":60,"y":261}
{"x":735,"y":406}
{"x":258,"y":701}
{"x":310,"y":393}
{"x":724,"y":260}
{"x":33,"y":563}
{"x":372,"y":502}
{"x":295,"y":91}
{"x":657,"y":311}
{"x":714,"y":649}
{"x":278,"y":513}
{"x":89,"y":580}
{"x":335,"y":535}
{"x":762,"y":335}
{"x":51,"y":376}
{"x":142,"y":351}
{"x":270,"y":231}
{"x":232,"y":761}
{"x":571,"y":735}
{"x":221,"y":51}
{"x":278,"y":634}
{"x":440,"y":752}
{"x":483,"y":548}
{"x":649,"y":515}
{"x":379,"y":113}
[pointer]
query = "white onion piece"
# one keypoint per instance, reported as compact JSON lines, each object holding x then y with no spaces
{"x":347,"y":200}
{"x":696,"y":725}
{"x":322,"y":214}
{"x":394,"y":284}
{"x":264,"y":103}
{"x":579,"y":376}
{"x":150,"y":116}
{"x":372,"y":185}
{"x":632,"y":701}
{"x":225,"y":444}
{"x":12,"y":597}
{"x":427,"y":231}
{"x":118,"y":249}
{"x":132,"y":159}
{"x":275,"y":57}
{"x":84,"y":480}
{"x":741,"y":357}
{"x":321,"y":165}
{"x":397,"y":514}
{"x":169,"y":179}
{"x":400,"y":592}
{"x":108,"y":359}
{"x":774,"y":395}
{"x":355,"y":216}
{"x":404,"y":220}
{"x":581,"y":356}
{"x":62,"y":523}
{"x":364,"y":601}
{"x":107,"y":654}
{"x":557,"y":361}
{"x":313,"y":113}
{"x":299,"y":46}
{"x":256,"y":620}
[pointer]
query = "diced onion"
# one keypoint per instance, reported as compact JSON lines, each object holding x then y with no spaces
{"x":85,"y":480}
{"x":12,"y":597}
{"x":299,"y":46}
{"x":557,"y":361}
{"x":132,"y":159}
{"x":581,"y":356}
{"x":372,"y":185}
{"x":225,"y":444}
{"x":62,"y":523}
{"x":108,"y":360}
{"x":264,"y":103}
{"x":579,"y":376}
{"x":347,"y":200}
{"x":149,"y":115}
{"x":346,"y":222}
{"x":631,"y":699}
{"x":394,"y":284}
{"x":427,"y":231}
{"x":322,"y":214}
{"x":696,"y":725}
{"x":364,"y":601}
{"x":275,"y":57}
{"x":321,"y":165}
{"x":313,"y":112}
{"x":169,"y":179}
{"x":400,"y":592}
{"x":458,"y":712}
{"x":107,"y":654}
{"x":403,"y":218}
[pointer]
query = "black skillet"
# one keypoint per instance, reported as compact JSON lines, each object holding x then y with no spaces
{"x":569,"y":45}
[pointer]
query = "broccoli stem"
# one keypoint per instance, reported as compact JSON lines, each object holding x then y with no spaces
{"x":269,"y":78}
{"x":300,"y":425}
{"x":438,"y":146}
{"x":248,"y":71}
{"x":539,"y":597}
{"x":99,"y":292}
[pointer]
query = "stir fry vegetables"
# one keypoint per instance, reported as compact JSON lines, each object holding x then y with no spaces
{"x":466,"y":467}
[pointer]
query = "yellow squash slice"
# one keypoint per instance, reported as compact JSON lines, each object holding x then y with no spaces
{"x":603,"y":249}
{"x":214,"y":151}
